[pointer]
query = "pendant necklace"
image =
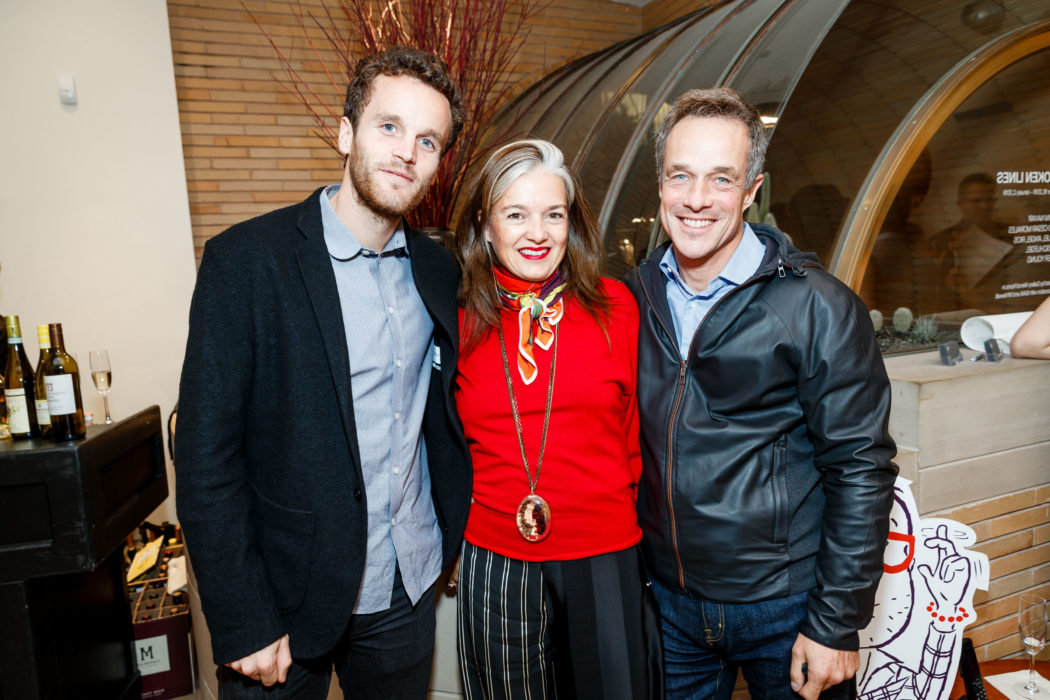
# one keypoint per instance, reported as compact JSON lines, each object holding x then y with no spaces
{"x":534,"y":513}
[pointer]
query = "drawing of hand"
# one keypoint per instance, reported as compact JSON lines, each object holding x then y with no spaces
{"x":949,"y":581}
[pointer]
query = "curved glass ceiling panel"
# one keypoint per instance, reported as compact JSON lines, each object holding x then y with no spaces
{"x":612,"y":138}
{"x":594,"y":104}
{"x":766,"y":75}
{"x":563,"y":110}
{"x":962,"y":236}
{"x":518,"y":118}
{"x":628,"y":214}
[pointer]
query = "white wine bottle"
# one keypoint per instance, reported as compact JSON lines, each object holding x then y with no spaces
{"x":5,"y":430}
{"x":18,"y":385}
{"x":43,"y":418}
{"x":62,"y":384}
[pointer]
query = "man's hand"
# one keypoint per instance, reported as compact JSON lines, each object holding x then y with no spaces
{"x":453,"y":578}
{"x":825,"y":667}
{"x":269,"y":665}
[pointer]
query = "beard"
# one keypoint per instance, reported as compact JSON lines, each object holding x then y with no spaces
{"x":381,"y":201}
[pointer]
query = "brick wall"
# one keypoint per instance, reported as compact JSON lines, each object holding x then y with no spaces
{"x":1014,"y":532}
{"x":249,"y":145}
{"x":987,"y":469}
{"x":663,"y":11}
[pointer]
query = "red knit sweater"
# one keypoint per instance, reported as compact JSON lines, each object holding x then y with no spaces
{"x":592,"y":462}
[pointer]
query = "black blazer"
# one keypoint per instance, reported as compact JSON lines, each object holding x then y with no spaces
{"x":269,"y":487}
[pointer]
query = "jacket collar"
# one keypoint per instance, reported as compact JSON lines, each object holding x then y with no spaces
{"x":435,"y":286}
{"x":779,"y":252}
{"x":431,"y":282}
{"x":319,"y":279}
{"x":780,"y":258}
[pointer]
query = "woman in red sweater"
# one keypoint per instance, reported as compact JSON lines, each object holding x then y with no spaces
{"x":551,"y":594}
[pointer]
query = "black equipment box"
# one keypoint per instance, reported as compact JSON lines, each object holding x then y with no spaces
{"x":64,"y":509}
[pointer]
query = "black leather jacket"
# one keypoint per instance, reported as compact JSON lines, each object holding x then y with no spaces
{"x":767,"y":459}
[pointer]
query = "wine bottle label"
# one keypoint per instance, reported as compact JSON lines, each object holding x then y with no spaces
{"x":60,"y":397}
{"x":42,"y":416}
{"x":13,"y":340}
{"x":17,"y":411}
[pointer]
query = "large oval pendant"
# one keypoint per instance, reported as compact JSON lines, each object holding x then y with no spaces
{"x":534,"y":518}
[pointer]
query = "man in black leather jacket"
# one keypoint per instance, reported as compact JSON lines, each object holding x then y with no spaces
{"x":764,"y":403}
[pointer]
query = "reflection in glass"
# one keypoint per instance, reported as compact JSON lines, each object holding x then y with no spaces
{"x":963,"y":235}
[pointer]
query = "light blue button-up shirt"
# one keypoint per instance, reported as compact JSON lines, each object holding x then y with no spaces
{"x":688,"y":308}
{"x":389,"y":336}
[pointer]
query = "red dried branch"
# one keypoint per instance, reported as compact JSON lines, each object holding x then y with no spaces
{"x":477,"y":39}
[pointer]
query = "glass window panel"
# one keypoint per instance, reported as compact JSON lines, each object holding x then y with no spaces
{"x":517,"y":119}
{"x":874,"y":64}
{"x":969,"y":229}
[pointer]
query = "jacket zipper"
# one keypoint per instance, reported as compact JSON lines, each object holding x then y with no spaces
{"x":669,"y":469}
{"x":683,"y":366}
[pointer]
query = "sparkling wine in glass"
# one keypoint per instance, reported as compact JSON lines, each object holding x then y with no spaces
{"x":102,"y":376}
{"x":1031,"y":623}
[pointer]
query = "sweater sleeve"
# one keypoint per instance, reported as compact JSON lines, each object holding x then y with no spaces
{"x":624,"y":314}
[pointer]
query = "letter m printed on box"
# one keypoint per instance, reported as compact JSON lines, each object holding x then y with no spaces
{"x":151,"y":655}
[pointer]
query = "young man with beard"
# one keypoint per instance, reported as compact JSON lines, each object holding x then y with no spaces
{"x":764,"y":407}
{"x":323,"y":480}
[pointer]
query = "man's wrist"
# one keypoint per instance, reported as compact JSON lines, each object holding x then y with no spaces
{"x":831,"y":635}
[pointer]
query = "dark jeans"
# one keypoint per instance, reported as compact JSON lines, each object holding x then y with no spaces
{"x":382,"y":656}
{"x":705,"y":643}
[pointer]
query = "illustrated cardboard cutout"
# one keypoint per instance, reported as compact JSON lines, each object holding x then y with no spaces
{"x":910,"y":649}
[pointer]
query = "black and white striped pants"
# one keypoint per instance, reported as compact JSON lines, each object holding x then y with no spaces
{"x":556,"y":629}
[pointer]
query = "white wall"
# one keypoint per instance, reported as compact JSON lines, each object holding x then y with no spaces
{"x":94,"y":218}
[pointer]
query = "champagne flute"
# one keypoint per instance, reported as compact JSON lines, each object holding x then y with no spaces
{"x":1031,"y":623}
{"x":101,"y":375}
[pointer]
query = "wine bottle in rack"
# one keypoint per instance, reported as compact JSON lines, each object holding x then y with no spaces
{"x":18,"y":385}
{"x":43,"y":418}
{"x":62,"y":385}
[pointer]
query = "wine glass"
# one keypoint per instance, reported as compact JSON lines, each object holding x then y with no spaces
{"x":1031,"y":623}
{"x":101,"y":375}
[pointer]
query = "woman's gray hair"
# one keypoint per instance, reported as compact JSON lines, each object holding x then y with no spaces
{"x":510,"y":162}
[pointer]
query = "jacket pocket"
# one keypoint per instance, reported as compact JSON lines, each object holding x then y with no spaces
{"x":780,"y":494}
{"x":284,"y":538}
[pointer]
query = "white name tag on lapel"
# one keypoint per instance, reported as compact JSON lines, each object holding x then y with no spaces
{"x":437,"y":358}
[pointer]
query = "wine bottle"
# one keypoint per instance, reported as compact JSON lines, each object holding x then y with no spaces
{"x":5,"y":430}
{"x":43,"y":418}
{"x":19,"y":389}
{"x":62,"y":384}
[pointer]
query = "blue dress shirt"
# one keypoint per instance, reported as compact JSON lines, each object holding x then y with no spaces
{"x":389,"y":336}
{"x":688,"y":308}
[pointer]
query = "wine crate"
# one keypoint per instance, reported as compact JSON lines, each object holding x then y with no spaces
{"x":164,"y":648}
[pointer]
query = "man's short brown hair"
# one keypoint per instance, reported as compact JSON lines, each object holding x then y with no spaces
{"x":718,"y":103}
{"x":415,"y":63}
